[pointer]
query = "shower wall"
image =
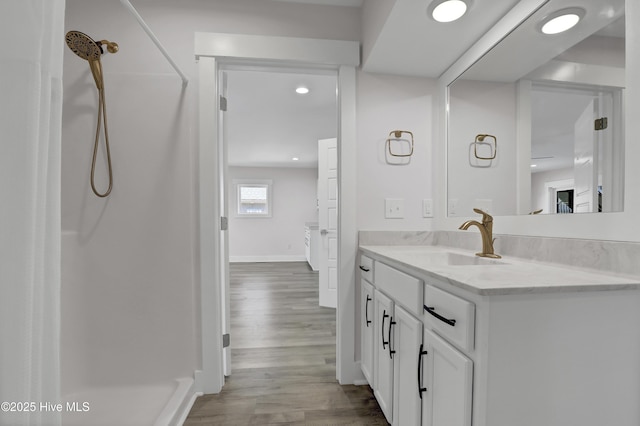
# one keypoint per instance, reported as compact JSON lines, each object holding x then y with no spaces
{"x":130,"y":297}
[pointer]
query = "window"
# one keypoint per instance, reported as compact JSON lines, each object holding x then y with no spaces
{"x":254,"y":198}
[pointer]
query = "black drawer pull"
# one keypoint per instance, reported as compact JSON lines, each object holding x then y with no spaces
{"x":364,"y":269}
{"x":391,"y":352}
{"x":366,"y":311}
{"x":432,"y":311}
{"x":384,"y":315}
{"x":421,"y":353}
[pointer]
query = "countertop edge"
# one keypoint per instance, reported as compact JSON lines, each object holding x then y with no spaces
{"x":628,"y":283}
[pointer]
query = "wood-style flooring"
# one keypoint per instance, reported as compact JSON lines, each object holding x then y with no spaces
{"x":283,"y":356}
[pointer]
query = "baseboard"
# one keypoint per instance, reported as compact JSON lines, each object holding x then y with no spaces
{"x":179,"y":405}
{"x":275,"y":258}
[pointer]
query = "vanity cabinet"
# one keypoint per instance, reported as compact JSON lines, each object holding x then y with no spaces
{"x":406,"y":348}
{"x":418,"y":376}
{"x":382,"y":357}
{"x":446,"y":383}
{"x":396,"y":331}
{"x":367,"y":328}
{"x":515,"y":344}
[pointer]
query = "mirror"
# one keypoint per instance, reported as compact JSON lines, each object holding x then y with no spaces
{"x":522,"y":120}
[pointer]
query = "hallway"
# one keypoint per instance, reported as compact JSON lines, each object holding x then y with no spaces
{"x":283,"y":356}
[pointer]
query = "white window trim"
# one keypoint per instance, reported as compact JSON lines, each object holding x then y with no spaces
{"x":257,"y":182}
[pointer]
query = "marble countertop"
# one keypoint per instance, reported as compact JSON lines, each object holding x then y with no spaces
{"x":508,"y":275}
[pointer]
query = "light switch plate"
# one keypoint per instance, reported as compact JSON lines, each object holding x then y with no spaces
{"x":452,"y":206}
{"x":394,"y":208}
{"x":427,"y":207}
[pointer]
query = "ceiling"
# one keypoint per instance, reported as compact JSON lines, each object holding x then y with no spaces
{"x":268,"y":124}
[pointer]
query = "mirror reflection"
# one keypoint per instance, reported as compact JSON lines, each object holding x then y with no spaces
{"x":555,"y":105}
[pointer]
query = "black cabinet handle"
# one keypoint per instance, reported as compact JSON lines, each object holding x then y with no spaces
{"x":366,"y":311}
{"x":421,"y":353}
{"x":432,"y":311}
{"x":384,"y":315}
{"x":364,"y":269}
{"x":391,"y":352}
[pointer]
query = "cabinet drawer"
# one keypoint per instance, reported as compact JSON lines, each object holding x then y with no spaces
{"x":366,"y":268}
{"x":452,"y":317}
{"x":402,"y":288}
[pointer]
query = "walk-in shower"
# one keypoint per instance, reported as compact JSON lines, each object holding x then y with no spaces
{"x":86,"y":48}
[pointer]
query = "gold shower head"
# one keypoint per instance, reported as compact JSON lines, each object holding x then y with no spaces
{"x":83,"y":46}
{"x":87,"y":48}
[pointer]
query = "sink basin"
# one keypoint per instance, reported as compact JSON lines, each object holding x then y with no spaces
{"x":433,"y":256}
{"x":463,"y":259}
{"x":457,"y":259}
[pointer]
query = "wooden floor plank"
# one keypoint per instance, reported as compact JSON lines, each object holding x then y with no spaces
{"x":283,"y":356}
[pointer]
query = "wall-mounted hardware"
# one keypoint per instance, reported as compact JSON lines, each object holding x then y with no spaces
{"x":600,"y":123}
{"x":399,"y":147}
{"x":488,"y":140}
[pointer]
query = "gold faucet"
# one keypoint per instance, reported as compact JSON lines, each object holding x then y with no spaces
{"x":486,"y":230}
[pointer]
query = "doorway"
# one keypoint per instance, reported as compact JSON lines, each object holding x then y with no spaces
{"x":212,"y":51}
{"x":269,"y":140}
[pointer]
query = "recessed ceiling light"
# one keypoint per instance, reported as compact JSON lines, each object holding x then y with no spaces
{"x":295,"y":159}
{"x":447,"y":10}
{"x":561,"y":21}
{"x":534,"y":165}
{"x":302,"y":90}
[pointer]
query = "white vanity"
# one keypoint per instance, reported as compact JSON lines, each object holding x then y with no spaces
{"x":451,"y":339}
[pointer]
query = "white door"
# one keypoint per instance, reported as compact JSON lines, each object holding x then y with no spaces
{"x":585,"y":161}
{"x":366,"y":331}
{"x":382,"y":357}
{"x":328,"y":221}
{"x":447,"y":376}
{"x":224,"y":215}
{"x":407,"y":342}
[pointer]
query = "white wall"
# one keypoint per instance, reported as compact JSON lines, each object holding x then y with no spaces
{"x":281,"y":236}
{"x":386,"y":103}
{"x":128,"y":260}
{"x":482,"y":108}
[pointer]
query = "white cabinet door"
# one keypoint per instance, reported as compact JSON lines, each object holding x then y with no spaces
{"x":447,"y":376}
{"x":405,"y":347}
{"x":366,"y":331}
{"x":383,"y":364}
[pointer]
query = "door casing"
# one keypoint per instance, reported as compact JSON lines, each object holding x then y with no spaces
{"x":213,"y":50}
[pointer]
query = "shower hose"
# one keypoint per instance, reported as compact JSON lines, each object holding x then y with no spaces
{"x":102,"y":116}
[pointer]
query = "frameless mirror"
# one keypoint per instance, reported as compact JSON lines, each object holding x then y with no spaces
{"x":536,"y":125}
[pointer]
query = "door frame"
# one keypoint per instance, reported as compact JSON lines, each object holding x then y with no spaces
{"x":212,"y":50}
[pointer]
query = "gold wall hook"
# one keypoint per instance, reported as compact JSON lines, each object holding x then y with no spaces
{"x":481,"y":139}
{"x":397,"y":134}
